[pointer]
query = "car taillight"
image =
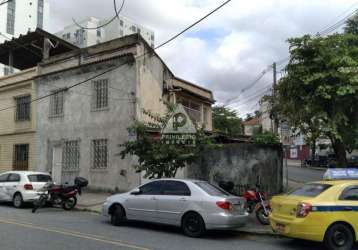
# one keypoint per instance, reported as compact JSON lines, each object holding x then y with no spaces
{"x":303,"y":209}
{"x":28,"y":187}
{"x":224,"y":205}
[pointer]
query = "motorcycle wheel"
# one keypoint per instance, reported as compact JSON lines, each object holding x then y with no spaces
{"x":262,"y":217}
{"x":250,"y":207}
{"x":69,"y":203}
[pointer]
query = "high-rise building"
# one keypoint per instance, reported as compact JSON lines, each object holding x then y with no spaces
{"x":20,"y":16}
{"x":120,"y":27}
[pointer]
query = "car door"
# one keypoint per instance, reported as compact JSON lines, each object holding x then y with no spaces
{"x":143,"y":205}
{"x":11,"y":186}
{"x":3,"y":180}
{"x":173,"y":202}
{"x":348,"y":200}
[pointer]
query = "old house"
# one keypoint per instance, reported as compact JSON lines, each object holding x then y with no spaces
{"x":18,"y":114}
{"x":79,"y":129}
{"x":251,"y":126}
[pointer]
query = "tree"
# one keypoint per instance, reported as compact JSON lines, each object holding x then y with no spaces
{"x":226,"y":121}
{"x":156,"y":158}
{"x":319,"y":94}
{"x":267,"y":138}
{"x":352,"y":25}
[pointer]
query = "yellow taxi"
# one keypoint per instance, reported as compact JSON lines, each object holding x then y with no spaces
{"x":325,"y":211}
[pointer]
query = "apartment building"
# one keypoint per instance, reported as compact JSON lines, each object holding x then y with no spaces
{"x":116,"y":29}
{"x":19,"y":17}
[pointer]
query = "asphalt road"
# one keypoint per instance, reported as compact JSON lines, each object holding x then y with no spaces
{"x":299,"y":174}
{"x":57,"y":229}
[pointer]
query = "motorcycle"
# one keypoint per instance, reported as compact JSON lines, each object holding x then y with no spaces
{"x":60,"y":195}
{"x":256,"y":201}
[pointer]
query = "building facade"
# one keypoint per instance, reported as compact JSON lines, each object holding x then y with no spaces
{"x":116,"y":29}
{"x":19,"y":17}
{"x":79,"y":130}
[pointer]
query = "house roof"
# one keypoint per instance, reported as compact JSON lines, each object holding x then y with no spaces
{"x":252,"y":122}
{"x":27,"y":50}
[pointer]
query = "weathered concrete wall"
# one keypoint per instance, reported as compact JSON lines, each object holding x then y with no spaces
{"x":242,"y":164}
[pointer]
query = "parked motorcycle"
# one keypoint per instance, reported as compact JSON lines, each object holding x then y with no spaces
{"x":60,"y":195}
{"x":257,"y":201}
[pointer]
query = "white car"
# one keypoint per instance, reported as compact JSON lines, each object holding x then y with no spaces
{"x":20,"y":187}
{"x":194,"y":205}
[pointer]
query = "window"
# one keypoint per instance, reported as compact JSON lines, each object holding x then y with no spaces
{"x":211,"y":189}
{"x":100,"y":154}
{"x":68,"y":35}
{"x":39,"y":178}
{"x":14,"y":178}
{"x":121,"y":33}
{"x":23,"y":105}
{"x":310,"y":190}
{"x":100,"y":94}
{"x":79,"y":35}
{"x":99,"y":33}
{"x":134,"y":28}
{"x":71,"y":156}
{"x":8,"y":70}
{"x":10,"y":22}
{"x":21,"y":157}
{"x":56,"y":103}
{"x":3,"y":177}
{"x":175,"y":188}
{"x":139,"y":30}
{"x":152,"y":188}
{"x":121,"y":23}
{"x":350,"y":194}
{"x":192,"y":108}
{"x":152,"y":37}
{"x":40,"y":13}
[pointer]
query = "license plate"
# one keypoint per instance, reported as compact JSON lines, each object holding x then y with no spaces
{"x":280,"y":228}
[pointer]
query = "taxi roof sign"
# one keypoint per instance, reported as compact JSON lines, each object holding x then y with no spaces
{"x":341,"y":174}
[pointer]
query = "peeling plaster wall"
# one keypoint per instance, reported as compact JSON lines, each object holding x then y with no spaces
{"x":242,"y":164}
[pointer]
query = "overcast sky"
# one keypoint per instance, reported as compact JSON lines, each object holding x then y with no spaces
{"x":228,"y":50}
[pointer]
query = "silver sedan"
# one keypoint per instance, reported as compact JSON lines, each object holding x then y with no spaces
{"x":196,"y":206}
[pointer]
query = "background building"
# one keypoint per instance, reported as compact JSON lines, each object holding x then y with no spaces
{"x":118,"y":28}
{"x":20,"y":16}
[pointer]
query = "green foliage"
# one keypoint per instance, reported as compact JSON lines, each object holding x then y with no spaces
{"x":352,"y":25}
{"x":266,"y":138}
{"x":319,"y":94}
{"x":226,"y":121}
{"x":156,"y":158}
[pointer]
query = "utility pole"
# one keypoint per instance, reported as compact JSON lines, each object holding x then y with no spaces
{"x":275,"y":122}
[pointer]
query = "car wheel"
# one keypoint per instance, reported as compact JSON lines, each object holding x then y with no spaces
{"x":339,"y":237}
{"x":118,"y":216}
{"x":193,"y":225}
{"x":17,"y":200}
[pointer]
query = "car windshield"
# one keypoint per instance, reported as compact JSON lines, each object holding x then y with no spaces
{"x":39,"y":178}
{"x":211,"y":189}
{"x":310,"y":190}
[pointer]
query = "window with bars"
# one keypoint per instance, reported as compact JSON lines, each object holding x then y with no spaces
{"x":10,"y":22}
{"x":100,"y":154}
{"x":40,"y":13}
{"x":71,"y":156}
{"x":21,"y":157}
{"x":192,"y":108}
{"x":100,"y":94}
{"x":23,"y":108}
{"x":56,"y":103}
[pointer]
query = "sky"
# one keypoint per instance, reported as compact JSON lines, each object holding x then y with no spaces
{"x":227,"y":51}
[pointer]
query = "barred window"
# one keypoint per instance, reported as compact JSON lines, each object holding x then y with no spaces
{"x":40,"y":13}
{"x":71,"y":156}
{"x":100,"y":154}
{"x":21,"y":157}
{"x":10,"y":22}
{"x":100,"y":100}
{"x":56,"y":103}
{"x":23,"y":108}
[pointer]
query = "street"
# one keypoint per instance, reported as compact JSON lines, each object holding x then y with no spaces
{"x":299,"y":174}
{"x":58,"y":229}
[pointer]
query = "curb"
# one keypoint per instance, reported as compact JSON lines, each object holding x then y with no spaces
{"x":258,"y":232}
{"x":86,"y":209}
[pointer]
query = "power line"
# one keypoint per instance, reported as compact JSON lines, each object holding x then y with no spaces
{"x":107,"y":23}
{"x":118,"y":66}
